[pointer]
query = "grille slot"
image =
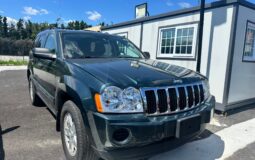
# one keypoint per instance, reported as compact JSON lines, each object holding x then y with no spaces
{"x":182,"y":98}
{"x":151,"y":102}
{"x":173,"y":99}
{"x":202,"y":97}
{"x":162,"y":100}
{"x":166,"y":100}
{"x":196,"y":92}
{"x":190,"y":96}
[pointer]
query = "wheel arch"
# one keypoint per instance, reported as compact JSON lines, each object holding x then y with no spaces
{"x":75,"y":91}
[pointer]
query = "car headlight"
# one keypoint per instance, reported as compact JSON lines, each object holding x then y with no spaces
{"x":206,"y":89}
{"x":115,"y":100}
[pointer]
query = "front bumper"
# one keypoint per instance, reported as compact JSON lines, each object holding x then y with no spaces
{"x":147,"y":135}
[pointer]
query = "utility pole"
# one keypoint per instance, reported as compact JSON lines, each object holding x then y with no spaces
{"x":200,"y":34}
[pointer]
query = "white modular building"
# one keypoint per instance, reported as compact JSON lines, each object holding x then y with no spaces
{"x":228,"y":51}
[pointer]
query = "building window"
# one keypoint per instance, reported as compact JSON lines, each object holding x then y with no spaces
{"x":121,"y":46}
{"x":249,"y":46}
{"x":177,"y":42}
{"x":167,"y":41}
{"x":124,"y":34}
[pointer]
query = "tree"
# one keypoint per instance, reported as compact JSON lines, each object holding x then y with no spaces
{"x":62,"y":26}
{"x":77,"y":25}
{"x":17,"y":39}
{"x":83,"y":25}
{"x":1,"y":26}
{"x":58,"y":21}
{"x":70,"y":25}
{"x":29,"y":27}
{"x":13,"y":33}
{"x":20,"y":29}
{"x":5,"y":27}
{"x":102,"y":24}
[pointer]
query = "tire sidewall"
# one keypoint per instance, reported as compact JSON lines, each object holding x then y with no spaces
{"x":70,"y":108}
{"x":30,"y":84}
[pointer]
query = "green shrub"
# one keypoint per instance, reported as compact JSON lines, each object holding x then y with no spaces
{"x":13,"y":63}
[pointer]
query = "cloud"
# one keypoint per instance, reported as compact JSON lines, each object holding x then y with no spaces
{"x":26,"y":18}
{"x":44,"y":11}
{"x":67,"y":21}
{"x":1,"y":11}
{"x":169,"y":4}
{"x":184,"y":5}
{"x":11,"y":21}
{"x":93,"y":15}
{"x":33,"y":12}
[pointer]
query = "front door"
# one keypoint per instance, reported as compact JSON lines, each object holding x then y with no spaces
{"x":45,"y":71}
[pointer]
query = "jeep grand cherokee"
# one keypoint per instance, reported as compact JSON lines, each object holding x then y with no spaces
{"x":111,"y":100}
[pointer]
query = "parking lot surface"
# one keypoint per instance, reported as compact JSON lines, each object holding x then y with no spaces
{"x":28,"y":132}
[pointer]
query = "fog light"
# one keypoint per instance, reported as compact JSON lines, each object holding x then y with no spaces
{"x":121,"y":135}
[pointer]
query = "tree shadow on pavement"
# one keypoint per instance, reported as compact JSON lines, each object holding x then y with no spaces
{"x":2,"y":132}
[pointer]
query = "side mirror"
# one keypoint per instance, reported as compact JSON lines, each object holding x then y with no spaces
{"x":146,"y":55}
{"x":43,"y":53}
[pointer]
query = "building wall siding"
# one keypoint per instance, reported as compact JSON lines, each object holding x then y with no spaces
{"x":242,"y":86}
{"x":133,"y":32}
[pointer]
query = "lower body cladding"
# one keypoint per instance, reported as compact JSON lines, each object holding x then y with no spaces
{"x":137,"y":136}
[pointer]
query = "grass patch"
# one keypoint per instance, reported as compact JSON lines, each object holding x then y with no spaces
{"x":13,"y":63}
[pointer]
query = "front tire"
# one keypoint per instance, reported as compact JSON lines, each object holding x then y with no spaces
{"x":75,"y":140}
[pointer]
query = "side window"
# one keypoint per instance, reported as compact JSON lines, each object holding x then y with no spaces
{"x":122,"y":48}
{"x":50,"y":43}
{"x":126,"y":49}
{"x":39,"y":41}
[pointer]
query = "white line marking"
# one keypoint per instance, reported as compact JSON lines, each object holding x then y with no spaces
{"x":220,"y":145}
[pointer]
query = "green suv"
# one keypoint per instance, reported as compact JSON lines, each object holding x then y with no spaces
{"x":110,"y":100}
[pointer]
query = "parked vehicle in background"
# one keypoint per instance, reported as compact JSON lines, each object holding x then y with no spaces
{"x":110,"y":100}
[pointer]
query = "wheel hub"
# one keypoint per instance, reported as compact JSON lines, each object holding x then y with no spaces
{"x":70,"y":134}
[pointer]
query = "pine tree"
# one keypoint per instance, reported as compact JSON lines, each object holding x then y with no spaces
{"x":1,"y":26}
{"x":83,"y":25}
{"x":77,"y":25}
{"x":70,"y":25}
{"x":20,"y":29}
{"x":13,"y":33}
{"x":28,"y":29}
{"x":62,"y":26}
{"x":5,"y":27}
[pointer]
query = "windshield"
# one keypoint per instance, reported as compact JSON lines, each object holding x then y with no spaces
{"x":88,"y":45}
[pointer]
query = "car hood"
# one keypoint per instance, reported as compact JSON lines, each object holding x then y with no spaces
{"x":135,"y":72}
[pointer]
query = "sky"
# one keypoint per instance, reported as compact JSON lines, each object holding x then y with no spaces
{"x":91,"y":11}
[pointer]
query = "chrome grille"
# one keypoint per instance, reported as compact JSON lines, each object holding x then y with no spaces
{"x":172,"y":99}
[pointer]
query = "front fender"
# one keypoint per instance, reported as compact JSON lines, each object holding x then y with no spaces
{"x":78,"y":91}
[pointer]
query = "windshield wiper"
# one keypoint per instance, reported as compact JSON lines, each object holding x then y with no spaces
{"x":90,"y":57}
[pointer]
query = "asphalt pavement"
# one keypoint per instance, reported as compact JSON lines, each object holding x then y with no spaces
{"x":28,"y":132}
